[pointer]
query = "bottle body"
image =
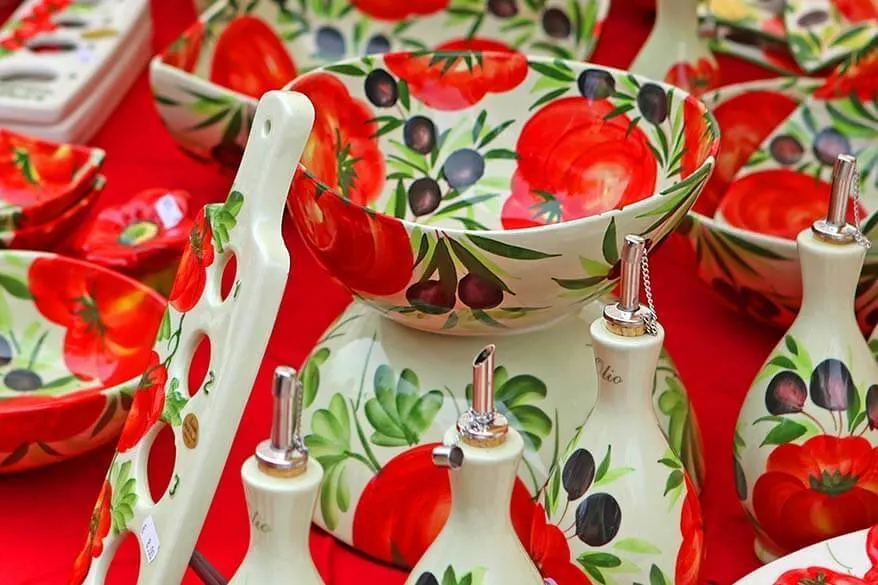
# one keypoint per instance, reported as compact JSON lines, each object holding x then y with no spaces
{"x":280,"y":511}
{"x":478,"y":544}
{"x":674,"y":51}
{"x":804,"y":449}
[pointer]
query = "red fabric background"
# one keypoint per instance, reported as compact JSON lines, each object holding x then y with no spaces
{"x":44,"y":514}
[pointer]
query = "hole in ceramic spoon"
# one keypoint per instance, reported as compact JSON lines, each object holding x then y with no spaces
{"x":28,"y":76}
{"x":199,"y":365}
{"x":266,"y":128}
{"x":51,"y":46}
{"x":70,"y":21}
{"x":125,"y":565}
{"x":230,"y":273}
{"x":160,"y":462}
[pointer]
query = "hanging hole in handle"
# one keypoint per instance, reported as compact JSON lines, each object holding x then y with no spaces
{"x":266,"y":128}
{"x":69,"y":21}
{"x":125,"y":564}
{"x":28,"y":76}
{"x":160,"y":461}
{"x":198,"y":366}
{"x":51,"y":45}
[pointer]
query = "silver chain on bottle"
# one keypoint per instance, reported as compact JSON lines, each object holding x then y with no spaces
{"x":859,"y":236}
{"x":650,"y":321}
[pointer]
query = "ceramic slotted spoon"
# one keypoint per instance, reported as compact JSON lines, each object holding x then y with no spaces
{"x":203,"y":420}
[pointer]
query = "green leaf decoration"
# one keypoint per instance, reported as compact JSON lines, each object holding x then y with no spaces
{"x":675,"y":480}
{"x":165,"y":327}
{"x":782,"y":361}
{"x":612,"y":475}
{"x":399,"y":413}
{"x":668,"y":462}
{"x":310,"y":376}
{"x":638,"y":546}
{"x":791,"y":344}
{"x":508,"y":250}
{"x":657,"y":577}
{"x":330,"y":438}
{"x":475,"y":266}
{"x":334,"y":495}
{"x":15,"y":287}
{"x":580,"y":283}
{"x":610,"y":248}
{"x":599,"y":559}
{"x":604,"y":465}
{"x":124,"y":496}
{"x":174,"y":403}
{"x":346,"y":69}
{"x":784,"y":432}
{"x":21,"y":158}
{"x":854,"y":404}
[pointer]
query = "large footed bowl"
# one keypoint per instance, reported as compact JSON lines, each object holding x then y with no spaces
{"x":379,"y":396}
{"x":481,"y":192}
{"x":207,"y":83}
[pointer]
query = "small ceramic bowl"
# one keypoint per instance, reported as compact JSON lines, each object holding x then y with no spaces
{"x":773,"y":171}
{"x":472,"y":192}
{"x":39,"y":179}
{"x":74,"y":340}
{"x":142,"y":237}
{"x":46,"y":236}
{"x":207,"y":83}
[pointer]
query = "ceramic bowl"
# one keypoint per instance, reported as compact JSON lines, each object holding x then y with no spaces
{"x":482,"y":192}
{"x":142,"y":237}
{"x":206,"y":84}
{"x":40,"y":179}
{"x":47,"y":236}
{"x":777,"y":136}
{"x":75,"y":339}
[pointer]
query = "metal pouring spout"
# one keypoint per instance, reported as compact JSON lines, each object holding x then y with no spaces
{"x":482,"y":425}
{"x":284,"y":454}
{"x":834,"y":228}
{"x":627,"y":317}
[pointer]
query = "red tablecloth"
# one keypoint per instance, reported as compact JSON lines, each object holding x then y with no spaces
{"x":44,"y":514}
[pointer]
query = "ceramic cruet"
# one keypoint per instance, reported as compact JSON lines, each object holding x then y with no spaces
{"x":636,"y":514}
{"x":805,"y":467}
{"x":281,"y":483}
{"x":675,"y":51}
{"x":478,"y":544}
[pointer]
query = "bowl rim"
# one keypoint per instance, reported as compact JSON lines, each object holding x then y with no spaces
{"x":88,"y":198}
{"x":577,"y":67}
{"x":76,"y":393}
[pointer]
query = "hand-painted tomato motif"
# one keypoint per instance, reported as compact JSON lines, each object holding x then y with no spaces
{"x":858,"y":77}
{"x":825,"y":487}
{"x":342,"y":152}
{"x":857,"y":10}
{"x":249,"y":58}
{"x":185,"y":51}
{"x":147,"y":406}
{"x":815,"y":576}
{"x":44,"y":419}
{"x":464,"y":82}
{"x":192,"y":273}
{"x":699,"y":144}
{"x":110,"y":321}
{"x":98,"y":529}
{"x":394,"y":10}
{"x":574,"y":162}
{"x":369,"y":253}
{"x":746,"y":120}
{"x":695,"y":78}
{"x":777,"y":202}
{"x":691,"y":555}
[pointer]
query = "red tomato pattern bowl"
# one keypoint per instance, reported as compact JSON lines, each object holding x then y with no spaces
{"x":475,"y":191}
{"x":74,"y":341}
{"x":772,"y":179}
{"x":207,"y":83}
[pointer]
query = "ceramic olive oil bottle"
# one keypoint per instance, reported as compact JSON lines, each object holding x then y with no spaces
{"x":637,"y":516}
{"x":478,"y":544}
{"x":806,"y":467}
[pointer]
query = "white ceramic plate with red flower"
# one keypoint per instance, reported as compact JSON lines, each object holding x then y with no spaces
{"x":851,"y":559}
{"x":74,"y":340}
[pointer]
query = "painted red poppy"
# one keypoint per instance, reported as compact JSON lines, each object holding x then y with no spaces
{"x":98,"y":529}
{"x":776,"y":202}
{"x":857,"y":10}
{"x":145,"y":233}
{"x":695,"y":78}
{"x":573,"y":163}
{"x":250,"y":58}
{"x":28,"y":420}
{"x":464,"y":82}
{"x":185,"y":51}
{"x":859,"y":77}
{"x":147,"y":405}
{"x":691,"y":554}
{"x":817,"y":576}
{"x":342,"y":152}
{"x":369,"y":253}
{"x":746,"y":120}
{"x":192,"y":274}
{"x":825,"y":487}
{"x":699,"y":143}
{"x":110,"y":320}
{"x":394,"y":10}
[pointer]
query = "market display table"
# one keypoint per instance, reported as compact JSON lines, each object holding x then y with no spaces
{"x":44,"y":514}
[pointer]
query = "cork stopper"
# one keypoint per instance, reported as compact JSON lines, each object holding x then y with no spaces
{"x":284,"y":454}
{"x":834,"y":228}
{"x":482,"y":425}
{"x":627,"y":317}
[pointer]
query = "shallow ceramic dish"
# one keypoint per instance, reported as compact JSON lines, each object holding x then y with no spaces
{"x":40,"y":179}
{"x":142,"y":237}
{"x":207,"y":83}
{"x":763,"y":123}
{"x":761,"y":17}
{"x":851,"y":559}
{"x":46,"y":236}
{"x":822,"y":32}
{"x":755,"y":48}
{"x":74,"y":339}
{"x":481,"y":192}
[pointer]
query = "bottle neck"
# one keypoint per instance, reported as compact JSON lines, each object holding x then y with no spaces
{"x":830,"y":273}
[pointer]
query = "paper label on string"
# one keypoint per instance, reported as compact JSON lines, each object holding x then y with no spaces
{"x":149,"y":539}
{"x":169,"y":212}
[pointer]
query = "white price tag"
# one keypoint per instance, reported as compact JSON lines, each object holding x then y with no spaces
{"x":169,"y":212}
{"x":149,"y":539}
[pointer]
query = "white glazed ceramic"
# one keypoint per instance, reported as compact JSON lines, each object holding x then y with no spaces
{"x":280,"y":521}
{"x":805,"y":465}
{"x":851,"y":559}
{"x":63,"y":70}
{"x":203,"y":419}
{"x":478,"y":544}
{"x":674,"y":52}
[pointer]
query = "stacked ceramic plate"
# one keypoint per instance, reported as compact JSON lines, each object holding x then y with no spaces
{"x":46,"y":189}
{"x":65,"y":64}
